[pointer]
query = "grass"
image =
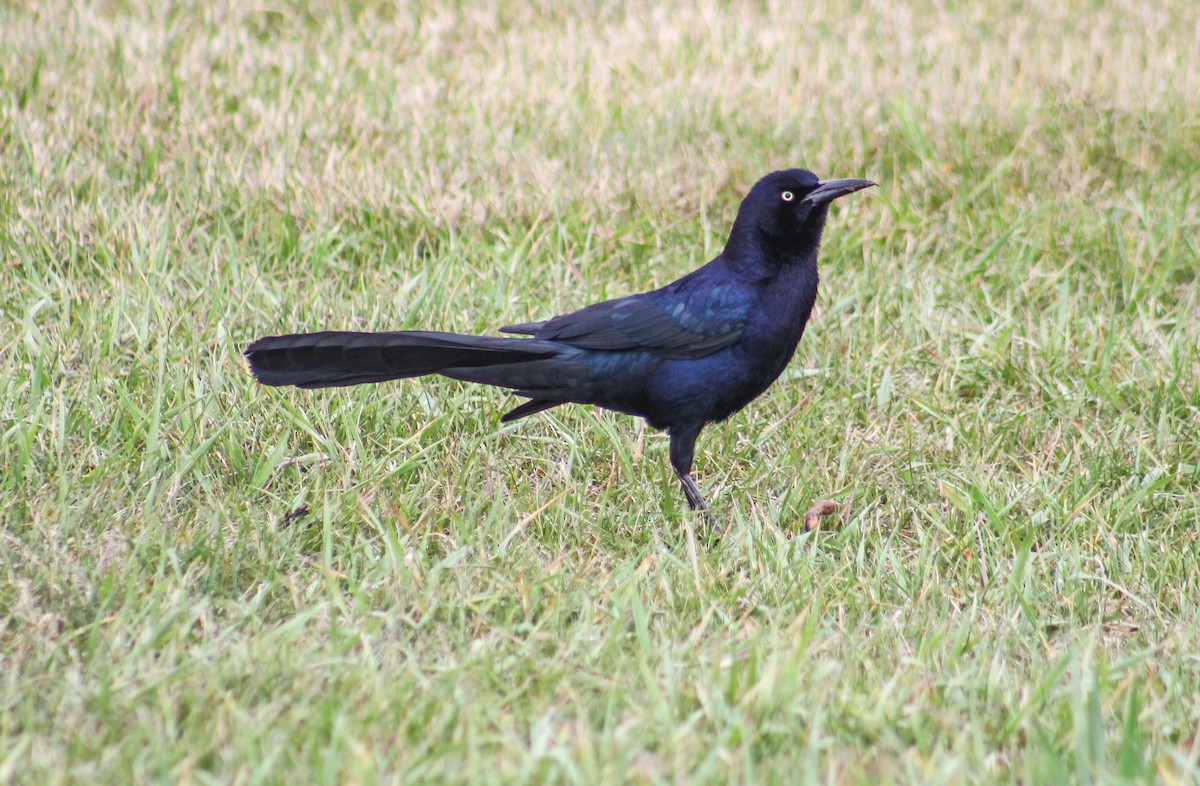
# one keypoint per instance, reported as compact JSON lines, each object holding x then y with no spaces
{"x":205,"y":581}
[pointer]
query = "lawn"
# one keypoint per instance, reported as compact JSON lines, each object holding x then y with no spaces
{"x":203,"y":580}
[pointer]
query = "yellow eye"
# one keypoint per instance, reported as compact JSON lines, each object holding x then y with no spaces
{"x":787,"y":196}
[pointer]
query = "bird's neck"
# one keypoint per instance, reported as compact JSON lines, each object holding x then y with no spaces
{"x":755,"y":256}
{"x":751,"y":238}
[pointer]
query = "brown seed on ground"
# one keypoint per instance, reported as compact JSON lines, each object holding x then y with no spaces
{"x":812,"y":519}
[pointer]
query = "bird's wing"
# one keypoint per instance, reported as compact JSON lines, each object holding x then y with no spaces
{"x":672,"y":321}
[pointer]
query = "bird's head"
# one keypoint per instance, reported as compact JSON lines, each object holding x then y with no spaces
{"x":788,"y":208}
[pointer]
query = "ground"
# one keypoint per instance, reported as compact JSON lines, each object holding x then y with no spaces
{"x":206,"y":581}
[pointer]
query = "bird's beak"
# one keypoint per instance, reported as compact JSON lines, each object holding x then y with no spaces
{"x":829,"y":190}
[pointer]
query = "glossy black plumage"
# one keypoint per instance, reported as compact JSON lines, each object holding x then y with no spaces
{"x":688,"y":354}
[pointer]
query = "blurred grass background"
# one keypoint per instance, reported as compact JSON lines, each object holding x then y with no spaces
{"x":204,"y":581}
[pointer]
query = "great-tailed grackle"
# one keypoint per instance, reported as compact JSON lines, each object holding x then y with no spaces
{"x":688,"y":354}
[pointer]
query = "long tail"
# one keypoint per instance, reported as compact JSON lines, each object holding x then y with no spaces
{"x":335,"y":359}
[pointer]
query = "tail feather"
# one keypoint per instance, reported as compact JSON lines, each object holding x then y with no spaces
{"x":336,"y":359}
{"x":531,"y":407}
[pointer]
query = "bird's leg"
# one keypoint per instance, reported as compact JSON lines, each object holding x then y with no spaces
{"x":683,"y":450}
{"x":692,"y":492}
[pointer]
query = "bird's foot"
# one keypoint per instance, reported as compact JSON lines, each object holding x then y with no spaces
{"x":712,"y":528}
{"x":713,"y":531}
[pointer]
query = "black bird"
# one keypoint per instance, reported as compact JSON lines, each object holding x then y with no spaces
{"x":683,"y":356}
